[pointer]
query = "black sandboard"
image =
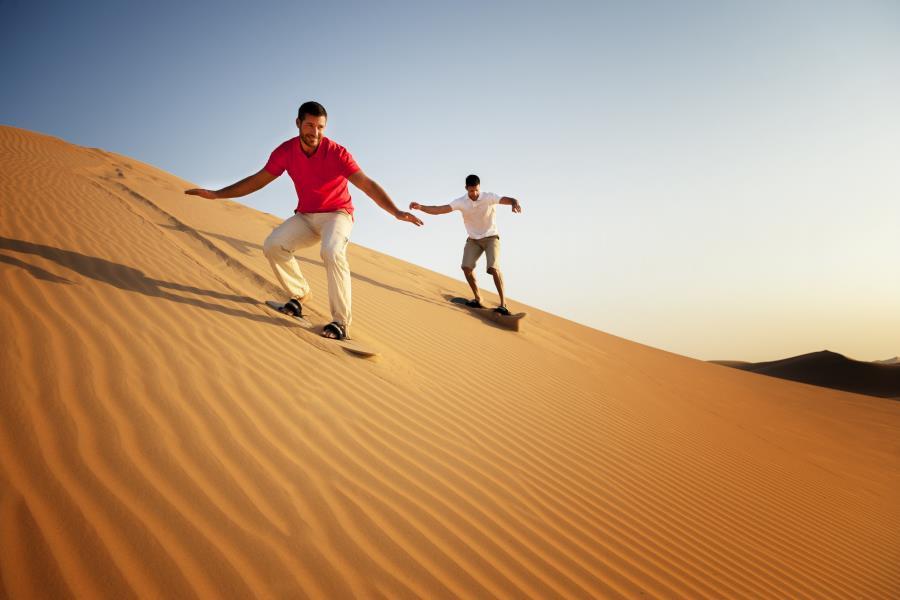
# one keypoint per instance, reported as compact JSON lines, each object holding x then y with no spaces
{"x":351,"y":346}
{"x":508,"y":321}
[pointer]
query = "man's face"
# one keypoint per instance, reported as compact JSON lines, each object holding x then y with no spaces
{"x":473,"y":191}
{"x":311,"y":130}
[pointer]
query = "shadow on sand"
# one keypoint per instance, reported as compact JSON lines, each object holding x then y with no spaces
{"x":125,"y":278}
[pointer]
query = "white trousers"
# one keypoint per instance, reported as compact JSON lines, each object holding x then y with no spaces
{"x":304,"y":230}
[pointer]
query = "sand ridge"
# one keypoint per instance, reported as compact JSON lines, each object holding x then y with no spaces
{"x":164,"y":434}
{"x":833,"y":370}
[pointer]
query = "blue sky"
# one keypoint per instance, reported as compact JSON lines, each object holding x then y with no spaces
{"x":718,"y":179}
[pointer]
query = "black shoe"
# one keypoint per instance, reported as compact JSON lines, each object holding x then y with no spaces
{"x":502,"y":310}
{"x":293,"y":308}
{"x":334,"y":331}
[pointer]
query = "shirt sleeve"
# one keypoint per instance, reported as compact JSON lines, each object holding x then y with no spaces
{"x":492,"y":198}
{"x":347,"y":164}
{"x":277,"y":161}
{"x":455,"y":204}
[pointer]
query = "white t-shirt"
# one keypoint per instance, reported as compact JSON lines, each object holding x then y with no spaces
{"x":478,"y":216}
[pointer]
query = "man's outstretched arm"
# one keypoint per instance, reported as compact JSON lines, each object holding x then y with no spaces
{"x":245,"y":186}
{"x":380,"y":197}
{"x":431,"y":210}
{"x":516,"y":207}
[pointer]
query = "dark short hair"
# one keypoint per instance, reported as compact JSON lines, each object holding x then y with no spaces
{"x":472,"y":180}
{"x":311,"y":108}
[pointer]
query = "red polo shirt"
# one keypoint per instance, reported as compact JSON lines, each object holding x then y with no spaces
{"x":320,"y":179}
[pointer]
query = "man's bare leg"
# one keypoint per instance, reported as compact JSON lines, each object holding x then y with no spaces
{"x":498,"y":281}
{"x":470,"y":277}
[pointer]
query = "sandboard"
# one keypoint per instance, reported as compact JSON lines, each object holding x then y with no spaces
{"x":351,"y":346}
{"x":508,"y":321}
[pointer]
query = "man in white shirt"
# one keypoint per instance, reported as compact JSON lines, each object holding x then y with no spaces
{"x":479,"y":216}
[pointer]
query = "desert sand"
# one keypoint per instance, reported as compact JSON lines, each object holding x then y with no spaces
{"x":164,"y":435}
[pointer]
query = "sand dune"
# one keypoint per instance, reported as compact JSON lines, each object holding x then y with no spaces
{"x":163,"y":435}
{"x":833,"y":370}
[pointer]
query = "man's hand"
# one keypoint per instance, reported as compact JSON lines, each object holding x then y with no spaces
{"x":380,"y":197}
{"x":208,"y":194}
{"x":245,"y":186}
{"x":431,"y":210}
{"x":409,"y":217}
{"x":516,"y":207}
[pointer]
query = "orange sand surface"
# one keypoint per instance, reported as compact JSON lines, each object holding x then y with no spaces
{"x":165,"y":435}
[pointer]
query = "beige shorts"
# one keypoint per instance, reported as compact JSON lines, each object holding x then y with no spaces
{"x":474,"y":249}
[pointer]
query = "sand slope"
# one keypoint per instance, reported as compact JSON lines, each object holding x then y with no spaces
{"x":163,"y":435}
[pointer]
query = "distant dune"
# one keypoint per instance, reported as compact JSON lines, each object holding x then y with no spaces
{"x":832,"y":370}
{"x":163,"y":434}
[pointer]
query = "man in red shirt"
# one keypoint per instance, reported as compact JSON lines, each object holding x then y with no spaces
{"x":320,"y":169}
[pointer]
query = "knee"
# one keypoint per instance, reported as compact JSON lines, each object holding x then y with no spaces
{"x":271,"y":247}
{"x":494,"y":271}
{"x":467,"y":270}
{"x":332,"y":255}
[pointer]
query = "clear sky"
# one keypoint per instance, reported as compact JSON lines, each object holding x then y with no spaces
{"x":718,"y":179}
